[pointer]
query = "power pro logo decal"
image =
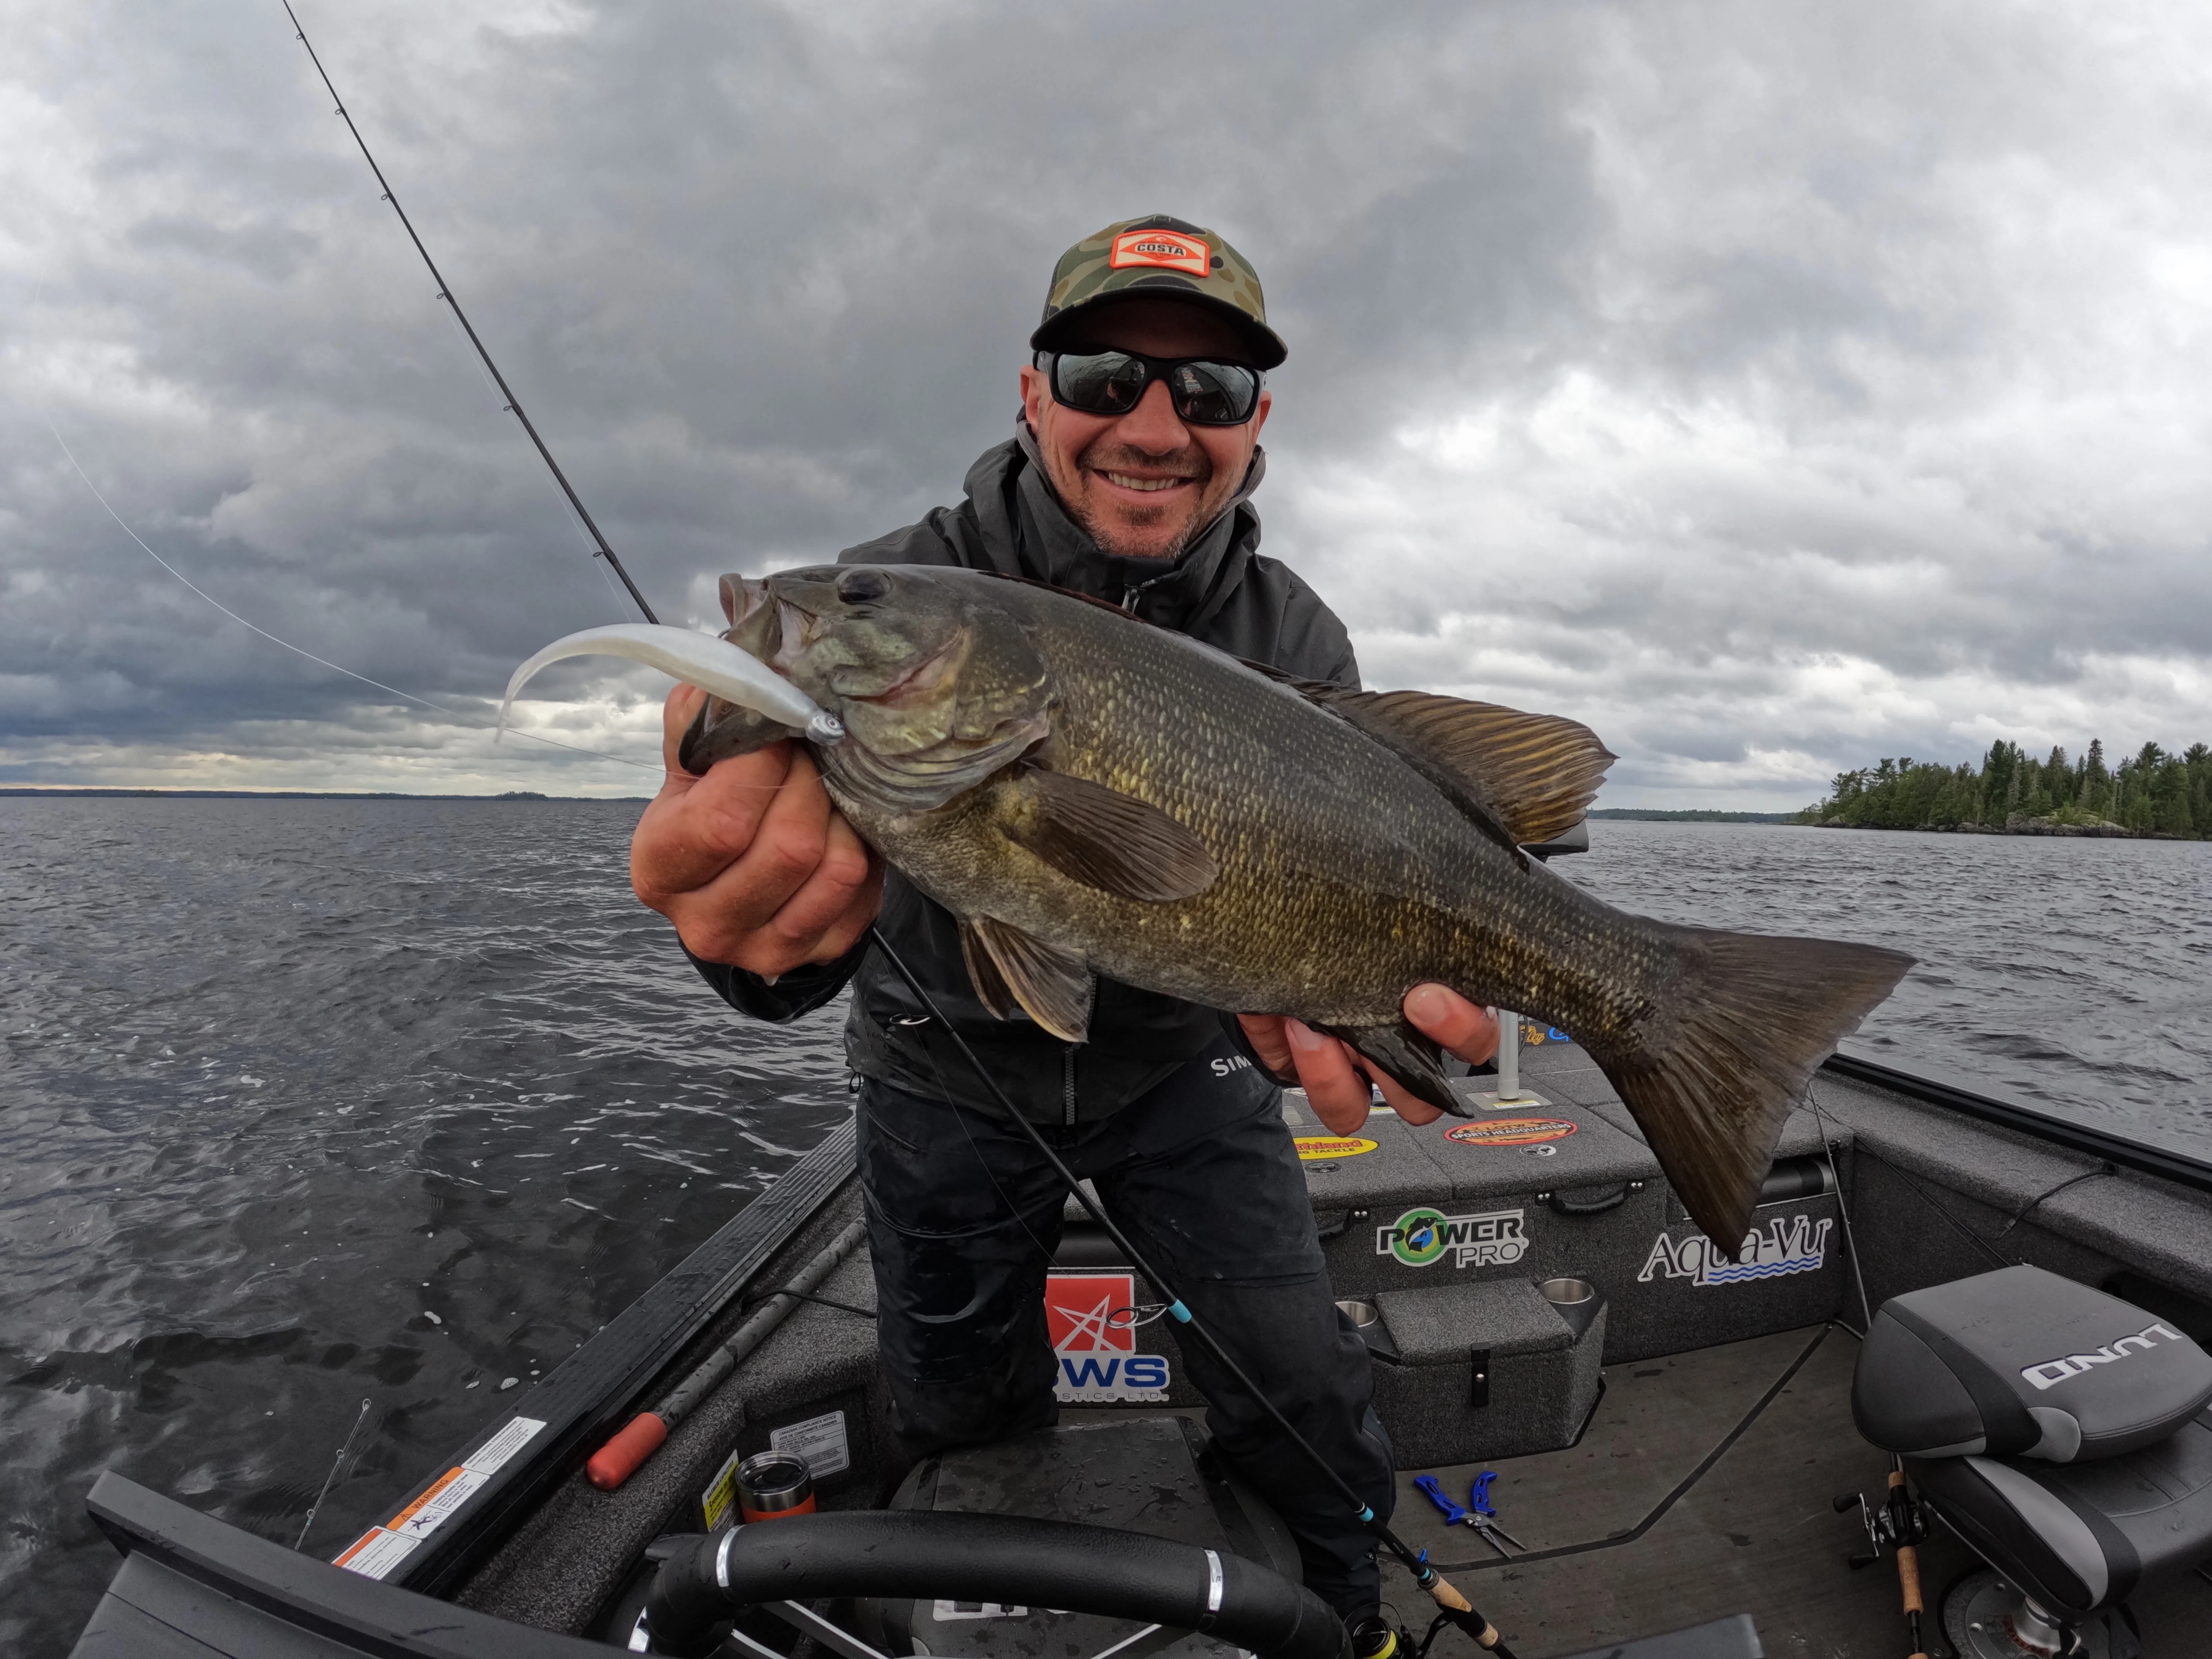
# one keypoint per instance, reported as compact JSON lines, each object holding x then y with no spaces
{"x":1423,"y":1236}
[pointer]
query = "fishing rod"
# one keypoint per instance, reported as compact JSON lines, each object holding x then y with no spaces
{"x":1454,"y":1608}
{"x":600,"y":549}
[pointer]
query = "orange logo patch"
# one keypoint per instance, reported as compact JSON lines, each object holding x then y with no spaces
{"x":1164,"y":248}
{"x":1510,"y":1132}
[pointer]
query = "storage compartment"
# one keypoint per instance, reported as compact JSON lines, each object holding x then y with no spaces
{"x":1489,"y":1369}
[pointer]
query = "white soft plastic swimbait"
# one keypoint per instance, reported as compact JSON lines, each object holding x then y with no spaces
{"x":701,"y":660}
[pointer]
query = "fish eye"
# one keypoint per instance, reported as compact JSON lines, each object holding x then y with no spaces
{"x":858,"y":586}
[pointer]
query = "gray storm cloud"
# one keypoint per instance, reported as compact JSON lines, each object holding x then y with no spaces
{"x":1773,"y":386}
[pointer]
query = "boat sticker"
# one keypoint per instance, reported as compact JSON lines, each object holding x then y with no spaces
{"x":1314,"y":1149}
{"x":1511,"y":1131}
{"x":1092,"y":1320}
{"x":819,"y":1443}
{"x":437,"y":1502}
{"x":1787,"y":1244}
{"x":376,"y":1552}
{"x":946,"y":1612}
{"x":721,"y":1491}
{"x":496,"y":1453}
{"x":1423,"y":1236}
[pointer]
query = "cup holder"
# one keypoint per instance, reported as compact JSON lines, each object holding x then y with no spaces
{"x":1366,"y":1318}
{"x":1578,"y":1300}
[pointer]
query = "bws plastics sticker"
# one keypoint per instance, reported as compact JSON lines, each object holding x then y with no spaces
{"x":378,"y":1550}
{"x":1165,"y":248}
{"x":1787,"y":1244}
{"x":1423,"y":1236}
{"x":1314,"y":1149}
{"x":1089,"y":1319}
{"x":1511,"y":1131}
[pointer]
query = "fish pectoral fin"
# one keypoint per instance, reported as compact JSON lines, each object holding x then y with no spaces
{"x":1411,"y":1061}
{"x":983,"y":974}
{"x":1052,"y":986}
{"x":1107,"y":840}
{"x":1536,"y":775}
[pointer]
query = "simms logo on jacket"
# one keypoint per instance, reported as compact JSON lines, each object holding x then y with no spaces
{"x":1090,"y":1319}
{"x":2050,"y":1373}
{"x":1165,"y":248}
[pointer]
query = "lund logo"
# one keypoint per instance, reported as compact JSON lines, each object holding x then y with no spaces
{"x":1094,"y":1337}
{"x":1423,"y":1236}
{"x":2050,"y":1373}
{"x":1787,"y":1244}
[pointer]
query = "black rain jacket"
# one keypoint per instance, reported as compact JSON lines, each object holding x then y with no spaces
{"x":1220,"y":591}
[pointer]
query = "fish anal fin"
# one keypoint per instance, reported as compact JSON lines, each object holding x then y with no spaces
{"x":983,"y":974}
{"x":1053,"y":986}
{"x":1711,"y":1073}
{"x":1409,"y":1059}
{"x":1107,"y":840}
{"x":1536,"y":775}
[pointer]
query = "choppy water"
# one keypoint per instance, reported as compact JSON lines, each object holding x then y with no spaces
{"x":281,"y":1080}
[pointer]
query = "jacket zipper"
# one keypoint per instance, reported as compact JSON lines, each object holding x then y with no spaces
{"x":1067,"y":1086}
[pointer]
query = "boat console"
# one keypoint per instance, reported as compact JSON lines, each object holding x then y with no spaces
{"x":2060,"y":1431}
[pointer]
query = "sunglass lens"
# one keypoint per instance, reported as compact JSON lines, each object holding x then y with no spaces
{"x":1213,"y":394}
{"x":1102,"y":382}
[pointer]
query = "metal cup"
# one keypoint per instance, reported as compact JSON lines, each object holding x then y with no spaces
{"x":771,"y":1485}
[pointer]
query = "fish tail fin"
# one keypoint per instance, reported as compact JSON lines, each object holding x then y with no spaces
{"x":1715,"y":1070}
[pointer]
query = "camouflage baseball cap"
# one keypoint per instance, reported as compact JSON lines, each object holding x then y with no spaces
{"x":1156,"y":257}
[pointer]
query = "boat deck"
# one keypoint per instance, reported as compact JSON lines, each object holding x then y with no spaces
{"x":1702,"y":1488}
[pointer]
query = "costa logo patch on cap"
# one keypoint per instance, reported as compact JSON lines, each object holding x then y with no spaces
{"x":1167,"y":249}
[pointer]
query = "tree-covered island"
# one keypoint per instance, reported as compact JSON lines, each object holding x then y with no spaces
{"x":2149,"y":793}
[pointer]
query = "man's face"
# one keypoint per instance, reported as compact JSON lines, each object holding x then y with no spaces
{"x":1145,"y":483}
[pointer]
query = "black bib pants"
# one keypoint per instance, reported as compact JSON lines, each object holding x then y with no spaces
{"x":1201,"y":1172}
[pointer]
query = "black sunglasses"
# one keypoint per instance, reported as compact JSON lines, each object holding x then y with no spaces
{"x":1204,"y":391}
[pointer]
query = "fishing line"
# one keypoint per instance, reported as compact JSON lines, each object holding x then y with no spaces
{"x":1455,"y":1606}
{"x":323,"y":662}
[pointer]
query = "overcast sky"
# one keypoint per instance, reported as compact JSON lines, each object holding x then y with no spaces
{"x":1773,"y":386}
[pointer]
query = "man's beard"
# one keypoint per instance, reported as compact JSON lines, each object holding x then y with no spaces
{"x":1105,"y":456}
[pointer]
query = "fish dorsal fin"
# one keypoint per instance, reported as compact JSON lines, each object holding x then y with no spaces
{"x":1107,"y":840}
{"x":1536,"y":775}
{"x":1053,"y":986}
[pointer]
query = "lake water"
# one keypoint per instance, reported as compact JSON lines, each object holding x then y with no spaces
{"x":304,"y":1103}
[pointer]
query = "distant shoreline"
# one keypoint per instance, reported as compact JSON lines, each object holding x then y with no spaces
{"x":1688,"y":815}
{"x":18,"y":791}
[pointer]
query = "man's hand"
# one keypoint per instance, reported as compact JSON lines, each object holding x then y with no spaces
{"x":752,"y":862}
{"x":1336,"y":1078}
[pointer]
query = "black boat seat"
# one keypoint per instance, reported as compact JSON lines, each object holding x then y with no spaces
{"x":2022,"y":1363}
{"x":2078,"y":1538}
{"x":2060,"y":1431}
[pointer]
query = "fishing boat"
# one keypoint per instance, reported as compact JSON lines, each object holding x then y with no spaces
{"x":1953,"y":1372}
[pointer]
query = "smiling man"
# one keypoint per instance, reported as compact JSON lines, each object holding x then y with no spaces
{"x":1128,"y":478}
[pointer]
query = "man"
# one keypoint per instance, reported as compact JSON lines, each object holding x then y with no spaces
{"x":1127,"y":479}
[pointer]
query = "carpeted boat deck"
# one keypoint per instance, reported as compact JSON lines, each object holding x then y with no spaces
{"x":1702,"y":1487}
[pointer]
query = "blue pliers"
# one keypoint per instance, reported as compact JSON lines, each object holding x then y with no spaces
{"x":1479,"y":1515}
